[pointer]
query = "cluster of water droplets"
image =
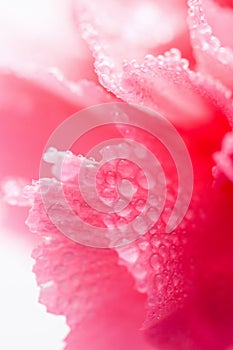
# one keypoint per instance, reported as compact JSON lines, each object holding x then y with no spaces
{"x":156,"y":262}
{"x":117,"y":197}
{"x":202,"y":34}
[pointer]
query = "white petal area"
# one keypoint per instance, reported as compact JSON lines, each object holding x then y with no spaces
{"x":40,"y":32}
{"x":24,"y":323}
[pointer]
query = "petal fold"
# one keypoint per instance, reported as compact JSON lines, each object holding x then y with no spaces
{"x":210,"y":25}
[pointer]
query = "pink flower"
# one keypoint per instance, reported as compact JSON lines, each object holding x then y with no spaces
{"x":163,"y":291}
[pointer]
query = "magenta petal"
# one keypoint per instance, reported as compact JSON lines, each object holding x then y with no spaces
{"x":205,"y":320}
{"x":87,"y":286}
{"x":224,"y":158}
{"x":170,"y":268}
{"x":183,"y":312}
{"x":188,"y":274}
{"x":210,"y":26}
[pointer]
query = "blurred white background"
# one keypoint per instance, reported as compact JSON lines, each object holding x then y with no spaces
{"x":31,"y":31}
{"x":24,"y":323}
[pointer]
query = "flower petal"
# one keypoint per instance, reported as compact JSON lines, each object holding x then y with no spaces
{"x":206,"y":318}
{"x":32,"y":104}
{"x":41,"y":101}
{"x":134,"y":28}
{"x":210,"y":25}
{"x":164,"y":83}
{"x":171,"y":268}
{"x":168,"y":267}
{"x":87,"y":286}
{"x":224,"y":158}
{"x":188,"y":274}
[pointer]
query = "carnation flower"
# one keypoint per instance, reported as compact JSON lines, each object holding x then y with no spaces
{"x":161,"y":290}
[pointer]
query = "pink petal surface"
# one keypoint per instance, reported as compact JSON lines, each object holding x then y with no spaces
{"x":42,"y":100}
{"x":220,"y":16}
{"x":169,"y":268}
{"x":190,"y":295}
{"x":172,"y":268}
{"x":72,"y":281}
{"x":224,"y":158}
{"x":87,"y":286}
{"x":135,"y":28}
{"x":83,"y":282}
{"x":210,"y":25}
{"x":205,"y":321}
{"x":164,"y":83}
{"x":179,"y":314}
{"x":32,"y":104}
{"x":188,"y":274}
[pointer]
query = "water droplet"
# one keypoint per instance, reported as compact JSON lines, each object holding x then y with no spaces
{"x":155,"y":262}
{"x":125,"y":188}
{"x":139,"y":271}
{"x":153,"y":231}
{"x":142,"y":180}
{"x":175,"y":53}
{"x":129,"y":254}
{"x":152,"y":214}
{"x":108,"y":153}
{"x":184,"y":63}
{"x":163,"y":250}
{"x":121,"y":222}
{"x":176,"y":280}
{"x":142,"y":286}
{"x":143,"y":245}
{"x":120,"y":205}
{"x":108,"y":193}
{"x":214,"y":42}
{"x":158,"y":282}
{"x":140,"y":225}
{"x":51,"y":155}
{"x":140,"y":204}
{"x":109,"y":222}
{"x":125,"y":168}
{"x":149,"y":59}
